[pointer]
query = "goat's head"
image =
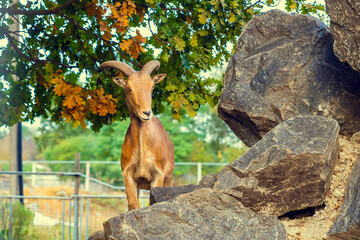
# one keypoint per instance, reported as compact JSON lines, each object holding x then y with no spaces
{"x":138,"y":86}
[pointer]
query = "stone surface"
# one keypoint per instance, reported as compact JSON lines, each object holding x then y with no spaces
{"x":161,"y":194}
{"x":317,"y":226}
{"x":98,"y":235}
{"x":289,"y":169}
{"x":202,"y":214}
{"x":284,"y":66}
{"x":344,"y":25}
{"x":208,"y":181}
{"x":347,"y":223}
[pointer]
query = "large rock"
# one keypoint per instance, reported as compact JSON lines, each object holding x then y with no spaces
{"x":345,"y":27}
{"x":289,"y":169}
{"x":284,"y":66}
{"x":202,"y":214}
{"x":162,"y":194}
{"x":347,"y":223}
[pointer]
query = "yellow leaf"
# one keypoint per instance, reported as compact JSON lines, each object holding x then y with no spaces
{"x":232,"y":18}
{"x":193,"y":41}
{"x":170,"y":87}
{"x":190,"y":111}
{"x":176,"y":116}
{"x":192,"y":96}
{"x":164,"y":56}
{"x":213,"y":2}
{"x":203,"y":33}
{"x":250,"y":11}
{"x":234,"y":4}
{"x":293,"y":6}
{"x":179,"y":43}
{"x":202,"y":16}
{"x":177,"y":105}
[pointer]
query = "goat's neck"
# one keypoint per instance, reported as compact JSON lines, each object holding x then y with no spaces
{"x":140,"y":133}
{"x":137,"y":127}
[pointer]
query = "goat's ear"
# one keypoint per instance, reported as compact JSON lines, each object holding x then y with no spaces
{"x":158,"y":77}
{"x":119,"y":81}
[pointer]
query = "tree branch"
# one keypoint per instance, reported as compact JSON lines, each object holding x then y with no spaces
{"x":13,"y":11}
{"x":31,"y":57}
{"x":178,"y":9}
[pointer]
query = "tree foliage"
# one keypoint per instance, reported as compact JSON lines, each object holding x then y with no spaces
{"x":57,"y":53}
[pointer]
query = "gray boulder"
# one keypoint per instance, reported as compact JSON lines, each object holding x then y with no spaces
{"x":161,"y":194}
{"x":284,"y":66}
{"x":347,"y":223}
{"x":289,"y":169}
{"x":202,"y":214}
{"x":345,"y":27}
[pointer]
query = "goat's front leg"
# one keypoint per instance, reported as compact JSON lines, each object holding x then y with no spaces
{"x":131,"y":192}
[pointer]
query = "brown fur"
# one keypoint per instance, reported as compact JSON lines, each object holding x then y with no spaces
{"x":147,"y":158}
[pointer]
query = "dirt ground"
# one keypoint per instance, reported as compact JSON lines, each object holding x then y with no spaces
{"x":317,"y":226}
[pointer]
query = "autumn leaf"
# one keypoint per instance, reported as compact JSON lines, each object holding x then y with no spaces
{"x":177,"y":105}
{"x":232,"y":18}
{"x":188,"y":20}
{"x":193,"y":41}
{"x":102,"y":104}
{"x":179,"y":43}
{"x":293,"y":6}
{"x":126,"y":44}
{"x":203,"y":32}
{"x":171,"y":87}
{"x":133,"y":46}
{"x":192,"y":96}
{"x":202,"y":16}
{"x":176,"y":116}
{"x":107,"y":35}
{"x":269,"y":2}
{"x":190,"y":110}
{"x":103,"y":26}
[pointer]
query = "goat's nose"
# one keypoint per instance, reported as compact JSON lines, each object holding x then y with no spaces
{"x":147,"y":113}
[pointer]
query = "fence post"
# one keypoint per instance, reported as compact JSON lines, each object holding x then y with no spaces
{"x":10,"y":218}
{"x":87,"y":180}
{"x":76,"y":199}
{"x":199,"y":172}
{"x":33,"y":176}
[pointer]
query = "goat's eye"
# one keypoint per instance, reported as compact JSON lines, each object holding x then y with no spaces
{"x":128,"y":89}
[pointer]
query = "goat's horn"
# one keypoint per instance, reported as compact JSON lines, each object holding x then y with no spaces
{"x":151,"y":67}
{"x":123,"y":67}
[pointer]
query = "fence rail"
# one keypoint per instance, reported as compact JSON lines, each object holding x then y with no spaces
{"x":88,"y":163}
